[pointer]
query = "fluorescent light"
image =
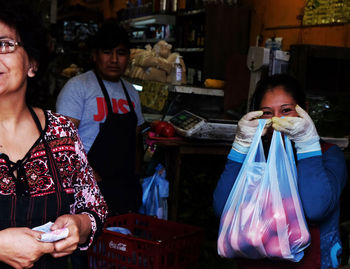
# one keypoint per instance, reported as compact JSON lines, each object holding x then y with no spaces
{"x":137,"y":87}
{"x":144,"y":22}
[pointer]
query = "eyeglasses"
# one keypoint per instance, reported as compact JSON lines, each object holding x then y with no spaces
{"x":8,"y":46}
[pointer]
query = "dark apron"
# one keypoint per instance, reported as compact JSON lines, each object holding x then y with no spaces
{"x":113,"y":157}
{"x":22,"y":210}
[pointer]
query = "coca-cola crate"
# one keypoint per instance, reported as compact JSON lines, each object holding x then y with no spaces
{"x":154,"y":243}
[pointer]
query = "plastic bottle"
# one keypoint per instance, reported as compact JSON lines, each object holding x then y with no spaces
{"x":177,"y":72}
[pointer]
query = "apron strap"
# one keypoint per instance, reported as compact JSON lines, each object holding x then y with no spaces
{"x":127,"y":96}
{"x":106,"y":95}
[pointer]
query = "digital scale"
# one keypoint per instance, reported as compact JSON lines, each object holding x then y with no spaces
{"x":189,"y":124}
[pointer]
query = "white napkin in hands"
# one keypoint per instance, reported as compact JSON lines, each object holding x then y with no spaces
{"x":51,"y":236}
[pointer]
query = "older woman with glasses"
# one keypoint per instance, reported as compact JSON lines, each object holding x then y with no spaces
{"x":44,"y":174}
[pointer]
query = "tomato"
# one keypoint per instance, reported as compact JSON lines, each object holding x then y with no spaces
{"x":273,"y":248}
{"x":159,"y":127}
{"x":163,"y":128}
{"x":154,"y":124}
{"x":168,"y":131}
{"x":294,"y":233}
{"x":289,"y":208}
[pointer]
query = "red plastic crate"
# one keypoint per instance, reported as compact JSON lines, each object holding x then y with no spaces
{"x":154,"y":243}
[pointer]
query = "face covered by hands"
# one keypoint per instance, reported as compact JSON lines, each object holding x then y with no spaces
{"x":246,"y":129}
{"x":300,"y":129}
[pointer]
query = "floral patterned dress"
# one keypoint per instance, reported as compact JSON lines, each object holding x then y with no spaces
{"x":58,"y":151}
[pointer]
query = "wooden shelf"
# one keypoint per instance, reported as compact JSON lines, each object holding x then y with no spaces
{"x":151,"y":40}
{"x":151,"y":20}
{"x":191,"y":12}
{"x":283,"y":27}
{"x":183,"y":88}
{"x":196,"y":90}
{"x":189,"y":49}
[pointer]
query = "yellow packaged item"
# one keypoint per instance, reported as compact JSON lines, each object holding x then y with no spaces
{"x":214,"y":83}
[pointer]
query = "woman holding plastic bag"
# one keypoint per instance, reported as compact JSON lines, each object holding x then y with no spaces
{"x":321,"y":175}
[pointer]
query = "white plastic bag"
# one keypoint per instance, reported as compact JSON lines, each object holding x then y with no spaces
{"x":263,"y":217}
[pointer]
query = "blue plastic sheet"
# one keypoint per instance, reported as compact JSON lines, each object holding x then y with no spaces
{"x":155,"y":193}
{"x":263,"y":215}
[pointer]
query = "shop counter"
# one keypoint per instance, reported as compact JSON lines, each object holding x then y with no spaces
{"x":174,"y":150}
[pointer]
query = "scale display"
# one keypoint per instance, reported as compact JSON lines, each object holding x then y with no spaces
{"x":187,"y":123}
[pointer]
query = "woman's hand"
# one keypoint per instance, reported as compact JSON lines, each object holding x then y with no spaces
{"x":246,"y":129}
{"x":79,"y":227}
{"x":21,"y":248}
{"x":300,"y":129}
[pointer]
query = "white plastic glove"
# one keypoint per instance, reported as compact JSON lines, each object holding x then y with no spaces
{"x":246,"y":129}
{"x":300,"y":129}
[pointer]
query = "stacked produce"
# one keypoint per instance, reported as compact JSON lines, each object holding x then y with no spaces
{"x":154,"y":64}
{"x":265,"y":233}
{"x":163,"y":128}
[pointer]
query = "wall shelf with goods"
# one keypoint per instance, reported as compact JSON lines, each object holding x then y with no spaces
{"x":164,"y":99}
{"x":190,"y":29}
{"x":190,"y":39}
{"x":209,"y":36}
{"x":74,"y":25}
{"x":179,"y":88}
{"x":150,"y":29}
{"x":206,"y":37}
{"x":190,"y":45}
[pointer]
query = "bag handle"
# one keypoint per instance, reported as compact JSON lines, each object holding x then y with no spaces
{"x":251,"y":157}
{"x":256,"y":141}
{"x":290,"y":153}
{"x":277,"y":141}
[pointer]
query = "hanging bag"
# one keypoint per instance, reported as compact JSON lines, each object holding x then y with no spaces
{"x":155,"y":193}
{"x":263,"y":216}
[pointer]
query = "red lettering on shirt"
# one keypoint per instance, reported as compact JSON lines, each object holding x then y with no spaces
{"x":114,"y":105}
{"x":100,"y":109}
{"x":124,"y":106}
{"x":121,"y":104}
{"x":117,"y":105}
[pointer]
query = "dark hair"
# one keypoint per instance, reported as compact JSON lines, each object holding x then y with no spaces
{"x":110,"y":35}
{"x":22,"y":17}
{"x":289,"y":84}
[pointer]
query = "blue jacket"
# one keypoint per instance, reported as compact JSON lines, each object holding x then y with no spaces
{"x":321,"y":179}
